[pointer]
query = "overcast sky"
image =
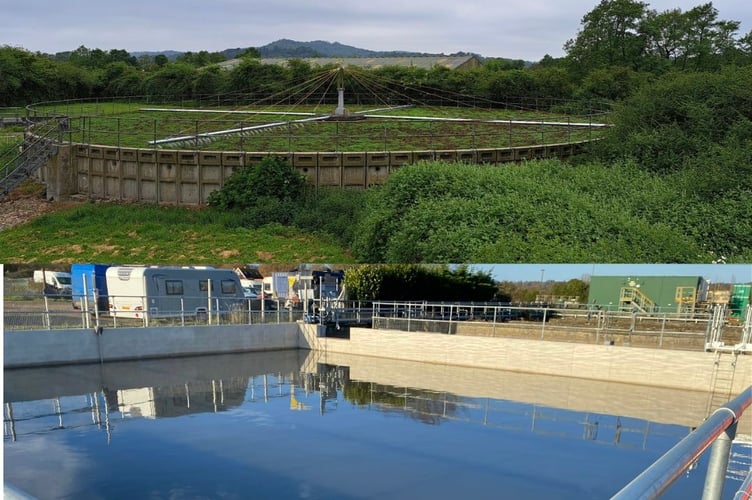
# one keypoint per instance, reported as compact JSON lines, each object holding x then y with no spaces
{"x":527,"y":29}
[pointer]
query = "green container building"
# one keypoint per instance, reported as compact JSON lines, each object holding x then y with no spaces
{"x":669,"y":294}
{"x":740,"y":297}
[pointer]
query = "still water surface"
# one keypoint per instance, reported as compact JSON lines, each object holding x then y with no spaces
{"x":296,"y":424}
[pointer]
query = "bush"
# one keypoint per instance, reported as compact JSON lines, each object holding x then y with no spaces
{"x":247,"y":188}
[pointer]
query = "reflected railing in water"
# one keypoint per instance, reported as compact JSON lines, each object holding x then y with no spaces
{"x":49,"y":400}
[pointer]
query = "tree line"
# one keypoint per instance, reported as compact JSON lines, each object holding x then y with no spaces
{"x":669,"y":182}
{"x":621,"y":46}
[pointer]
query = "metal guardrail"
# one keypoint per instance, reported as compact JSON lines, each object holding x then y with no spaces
{"x":583,"y":324}
{"x":717,"y":431}
{"x":35,"y":151}
{"x":26,"y":311}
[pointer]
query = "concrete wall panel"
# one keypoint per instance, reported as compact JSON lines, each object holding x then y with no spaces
{"x":466,"y":156}
{"x":130,"y":189}
{"x":167,"y":192}
{"x":96,"y":166}
{"x":422,"y":156}
{"x":189,"y":194}
{"x":354,"y":176}
{"x":632,"y":365}
{"x":55,"y":347}
{"x":129,"y":154}
{"x":168,"y":172}
{"x":330,"y":176}
{"x":310,"y":173}
{"x":399,"y":158}
{"x":251,"y":159}
{"x":149,"y":191}
{"x":159,"y":175}
{"x":232,"y":159}
{"x":329,"y":160}
{"x":376,"y":175}
{"x":377,"y":159}
{"x":486,"y":155}
{"x":167,"y":157}
{"x":189,"y":173}
{"x":305,"y":160}
{"x":147,"y":156}
{"x":210,"y":158}
{"x":449,"y":155}
{"x":354,"y":160}
{"x":187,"y":157}
{"x":210,"y":174}
{"x":112,"y":154}
{"x":112,"y":188}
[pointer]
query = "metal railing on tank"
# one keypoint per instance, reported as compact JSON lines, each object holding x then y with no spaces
{"x":717,"y":432}
{"x":556,"y":322}
{"x":56,"y":312}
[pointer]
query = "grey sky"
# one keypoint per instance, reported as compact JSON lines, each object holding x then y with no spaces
{"x":527,"y":29}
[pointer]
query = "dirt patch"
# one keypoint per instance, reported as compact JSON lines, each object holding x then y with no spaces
{"x":26,"y":203}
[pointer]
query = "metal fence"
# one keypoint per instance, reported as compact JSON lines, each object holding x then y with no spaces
{"x":53,"y":312}
{"x":715,"y":330}
{"x":696,"y":331}
{"x":219,"y":124}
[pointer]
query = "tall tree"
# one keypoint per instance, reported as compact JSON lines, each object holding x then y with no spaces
{"x":609,"y":36}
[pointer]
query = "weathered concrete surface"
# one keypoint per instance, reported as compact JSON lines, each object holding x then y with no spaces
{"x":654,"y":404}
{"x":685,"y":370}
{"x":57,"y":347}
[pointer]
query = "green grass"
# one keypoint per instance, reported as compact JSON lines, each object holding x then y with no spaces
{"x":127,"y":125}
{"x":132,"y":233}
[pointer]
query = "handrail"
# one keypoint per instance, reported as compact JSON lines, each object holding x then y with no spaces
{"x":654,"y":480}
{"x":35,"y":149}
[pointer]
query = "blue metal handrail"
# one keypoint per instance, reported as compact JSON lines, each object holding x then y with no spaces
{"x":718,"y":430}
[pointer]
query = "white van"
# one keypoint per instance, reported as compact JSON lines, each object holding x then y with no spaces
{"x":56,"y":283}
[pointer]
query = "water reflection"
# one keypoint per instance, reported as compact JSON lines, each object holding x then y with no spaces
{"x":301,"y":424}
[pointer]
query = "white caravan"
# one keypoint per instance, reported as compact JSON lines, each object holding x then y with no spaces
{"x":159,"y":292}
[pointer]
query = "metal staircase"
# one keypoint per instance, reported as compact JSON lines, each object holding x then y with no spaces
{"x":18,"y":164}
{"x":632,"y":299}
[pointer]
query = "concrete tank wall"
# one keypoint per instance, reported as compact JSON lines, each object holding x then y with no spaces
{"x":688,"y":370}
{"x":631,"y":365}
{"x":55,"y":347}
{"x":180,"y":177}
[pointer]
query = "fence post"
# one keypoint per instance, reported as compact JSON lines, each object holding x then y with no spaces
{"x":46,"y":314}
{"x":543,"y":326}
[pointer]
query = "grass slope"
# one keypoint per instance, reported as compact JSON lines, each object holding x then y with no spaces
{"x":131,"y":233}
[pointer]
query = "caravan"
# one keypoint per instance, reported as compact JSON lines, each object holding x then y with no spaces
{"x":159,"y":292}
{"x":89,"y":286}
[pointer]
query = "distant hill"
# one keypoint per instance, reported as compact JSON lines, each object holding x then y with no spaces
{"x":320,"y":48}
{"x":171,"y":54}
{"x":286,"y":48}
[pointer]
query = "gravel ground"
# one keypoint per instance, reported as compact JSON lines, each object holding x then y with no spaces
{"x":22,"y":205}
